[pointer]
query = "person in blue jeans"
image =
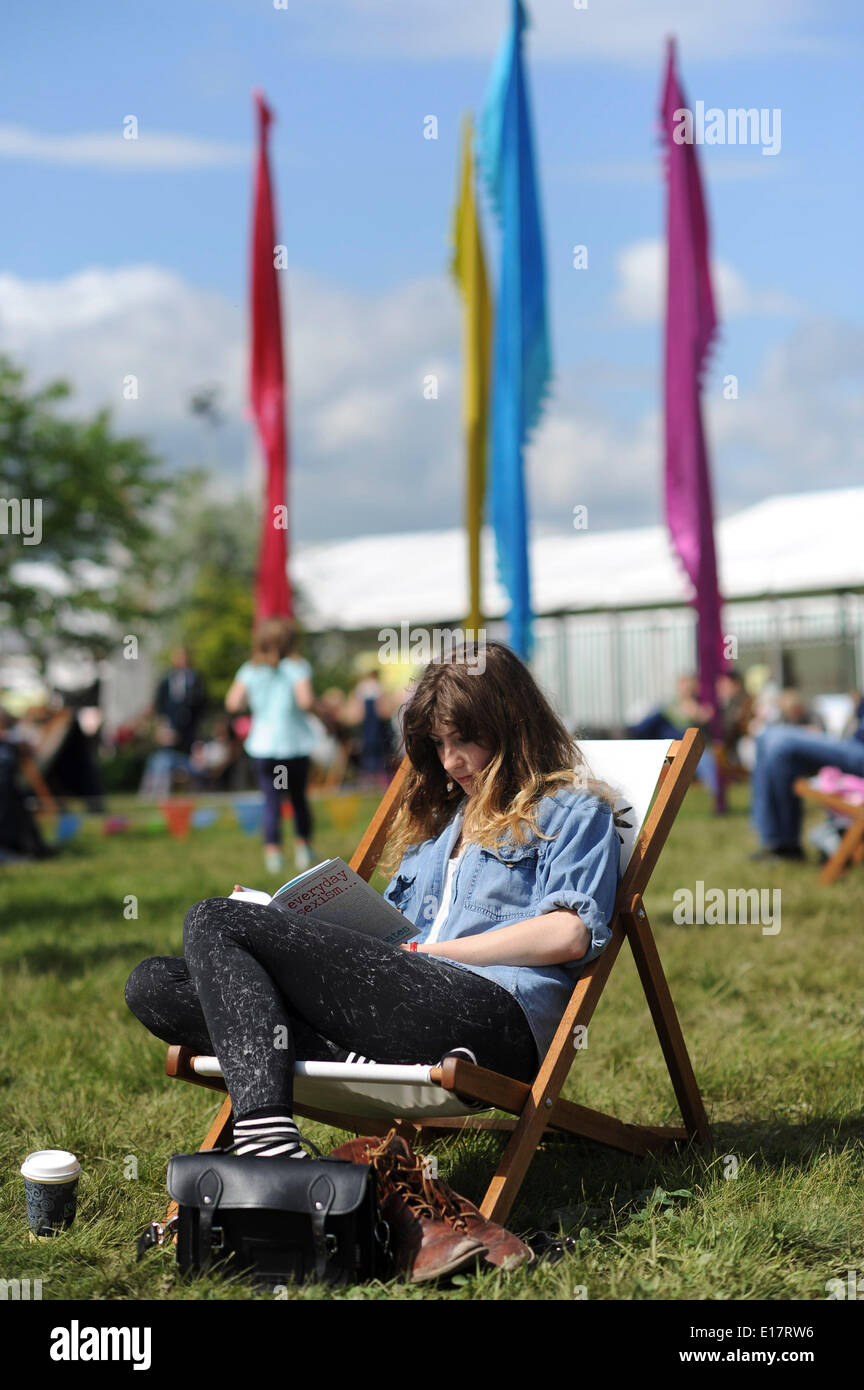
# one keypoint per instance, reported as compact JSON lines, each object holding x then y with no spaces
{"x":784,"y":753}
{"x":684,"y":712}
{"x":506,"y":862}
{"x":276,"y":686}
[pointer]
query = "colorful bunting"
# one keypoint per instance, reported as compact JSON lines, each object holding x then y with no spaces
{"x":68,"y":825}
{"x":342,"y":811}
{"x":250,"y":816}
{"x":178,"y":815}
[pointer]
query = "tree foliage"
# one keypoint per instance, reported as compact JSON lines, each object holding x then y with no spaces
{"x":97,"y":492}
{"x":124,"y":549}
{"x":206,"y":576}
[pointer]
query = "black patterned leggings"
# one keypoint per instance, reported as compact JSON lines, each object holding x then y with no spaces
{"x":274,"y":777}
{"x":260,"y":988}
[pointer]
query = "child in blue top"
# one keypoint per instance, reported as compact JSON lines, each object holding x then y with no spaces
{"x":276,"y":686}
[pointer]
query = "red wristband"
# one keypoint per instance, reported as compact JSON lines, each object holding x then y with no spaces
{"x":412,"y":946}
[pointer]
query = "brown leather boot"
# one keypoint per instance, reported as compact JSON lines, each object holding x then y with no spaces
{"x":424,"y":1245}
{"x":503,"y":1249}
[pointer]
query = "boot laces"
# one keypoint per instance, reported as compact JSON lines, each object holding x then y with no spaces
{"x":428,"y":1197}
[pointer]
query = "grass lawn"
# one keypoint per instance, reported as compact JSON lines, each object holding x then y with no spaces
{"x":773,"y":1024}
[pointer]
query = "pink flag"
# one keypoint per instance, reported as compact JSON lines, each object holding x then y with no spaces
{"x":690,"y":326}
{"x":267,"y":391}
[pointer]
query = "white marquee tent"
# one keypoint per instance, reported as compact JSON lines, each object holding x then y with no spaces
{"x":811,"y":543}
{"x":614,"y":626}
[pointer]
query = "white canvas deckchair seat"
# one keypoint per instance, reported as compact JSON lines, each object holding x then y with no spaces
{"x":365,"y":1088}
{"x":631,"y":768}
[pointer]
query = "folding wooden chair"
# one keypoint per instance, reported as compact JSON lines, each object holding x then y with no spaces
{"x":851,"y":847}
{"x":53,"y":729}
{"x":428,"y":1101}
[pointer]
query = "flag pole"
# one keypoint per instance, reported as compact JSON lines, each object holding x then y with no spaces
{"x":521,"y":370}
{"x":691,"y":323}
{"x":273,"y":597}
{"x":468,"y":267}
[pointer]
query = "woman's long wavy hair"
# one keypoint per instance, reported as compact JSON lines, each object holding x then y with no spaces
{"x":499,"y":706}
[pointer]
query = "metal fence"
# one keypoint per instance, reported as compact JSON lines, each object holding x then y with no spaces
{"x":605,"y":670}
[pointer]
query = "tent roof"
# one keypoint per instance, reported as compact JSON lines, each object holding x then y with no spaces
{"x":806,"y":543}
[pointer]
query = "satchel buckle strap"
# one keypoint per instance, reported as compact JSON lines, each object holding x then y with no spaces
{"x":382,"y":1234}
{"x":321,"y":1196}
{"x":209,"y":1188}
{"x":209,"y":1192}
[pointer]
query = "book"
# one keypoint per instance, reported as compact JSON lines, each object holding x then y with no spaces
{"x":333,"y":892}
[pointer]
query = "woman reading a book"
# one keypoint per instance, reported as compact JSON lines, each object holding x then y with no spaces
{"x":507,"y":866}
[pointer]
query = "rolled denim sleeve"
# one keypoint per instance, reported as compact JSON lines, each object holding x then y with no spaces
{"x":579,"y":869}
{"x":405,"y":875}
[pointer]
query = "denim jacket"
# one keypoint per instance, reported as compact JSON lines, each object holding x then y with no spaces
{"x":578,"y":869}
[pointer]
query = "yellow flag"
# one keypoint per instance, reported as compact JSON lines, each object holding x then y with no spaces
{"x":469,"y":270}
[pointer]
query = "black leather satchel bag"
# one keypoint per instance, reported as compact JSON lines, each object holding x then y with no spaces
{"x":279,"y":1219}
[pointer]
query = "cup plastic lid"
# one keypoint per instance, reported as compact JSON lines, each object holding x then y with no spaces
{"x":50,"y":1165}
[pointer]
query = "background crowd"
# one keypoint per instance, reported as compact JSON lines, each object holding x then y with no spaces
{"x":194,"y":739}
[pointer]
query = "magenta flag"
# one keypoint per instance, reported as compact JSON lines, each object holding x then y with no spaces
{"x":691,"y":322}
{"x":267,"y":392}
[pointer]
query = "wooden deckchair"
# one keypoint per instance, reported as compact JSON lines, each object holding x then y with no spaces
{"x":430,"y":1101}
{"x":51,"y":731}
{"x":851,"y":847}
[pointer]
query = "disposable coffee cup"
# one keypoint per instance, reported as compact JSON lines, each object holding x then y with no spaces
{"x":51,"y":1188}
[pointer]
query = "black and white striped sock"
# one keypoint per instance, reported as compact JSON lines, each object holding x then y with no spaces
{"x":267,"y":1136}
{"x":464,"y":1053}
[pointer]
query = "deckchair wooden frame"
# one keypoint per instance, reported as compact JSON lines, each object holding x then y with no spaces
{"x":532,"y":1110}
{"x":36,"y":764}
{"x":30,"y":771}
{"x":851,"y":847}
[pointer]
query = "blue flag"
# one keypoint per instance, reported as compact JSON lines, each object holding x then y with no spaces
{"x":521,"y":367}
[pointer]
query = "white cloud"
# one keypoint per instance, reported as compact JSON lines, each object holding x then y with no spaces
{"x":369,"y":453}
{"x":716,"y":169}
{"x":638,"y":294}
{"x":98,"y":326}
{"x":797,"y":426}
{"x":800,"y":423}
{"x":632,"y":31}
{"x":360,"y":415}
{"x":584,"y":457}
{"x":366,"y":445}
{"x":109,"y":150}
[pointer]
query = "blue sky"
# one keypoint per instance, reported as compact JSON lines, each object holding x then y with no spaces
{"x":123,"y":256}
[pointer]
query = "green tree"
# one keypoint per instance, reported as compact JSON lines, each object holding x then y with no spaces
{"x":206,"y":578}
{"x":95,"y":495}
{"x":206,"y":575}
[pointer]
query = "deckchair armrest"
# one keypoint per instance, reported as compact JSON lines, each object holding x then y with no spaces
{"x":476,"y":1083}
{"x":178,"y":1063}
{"x":832,"y":801}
